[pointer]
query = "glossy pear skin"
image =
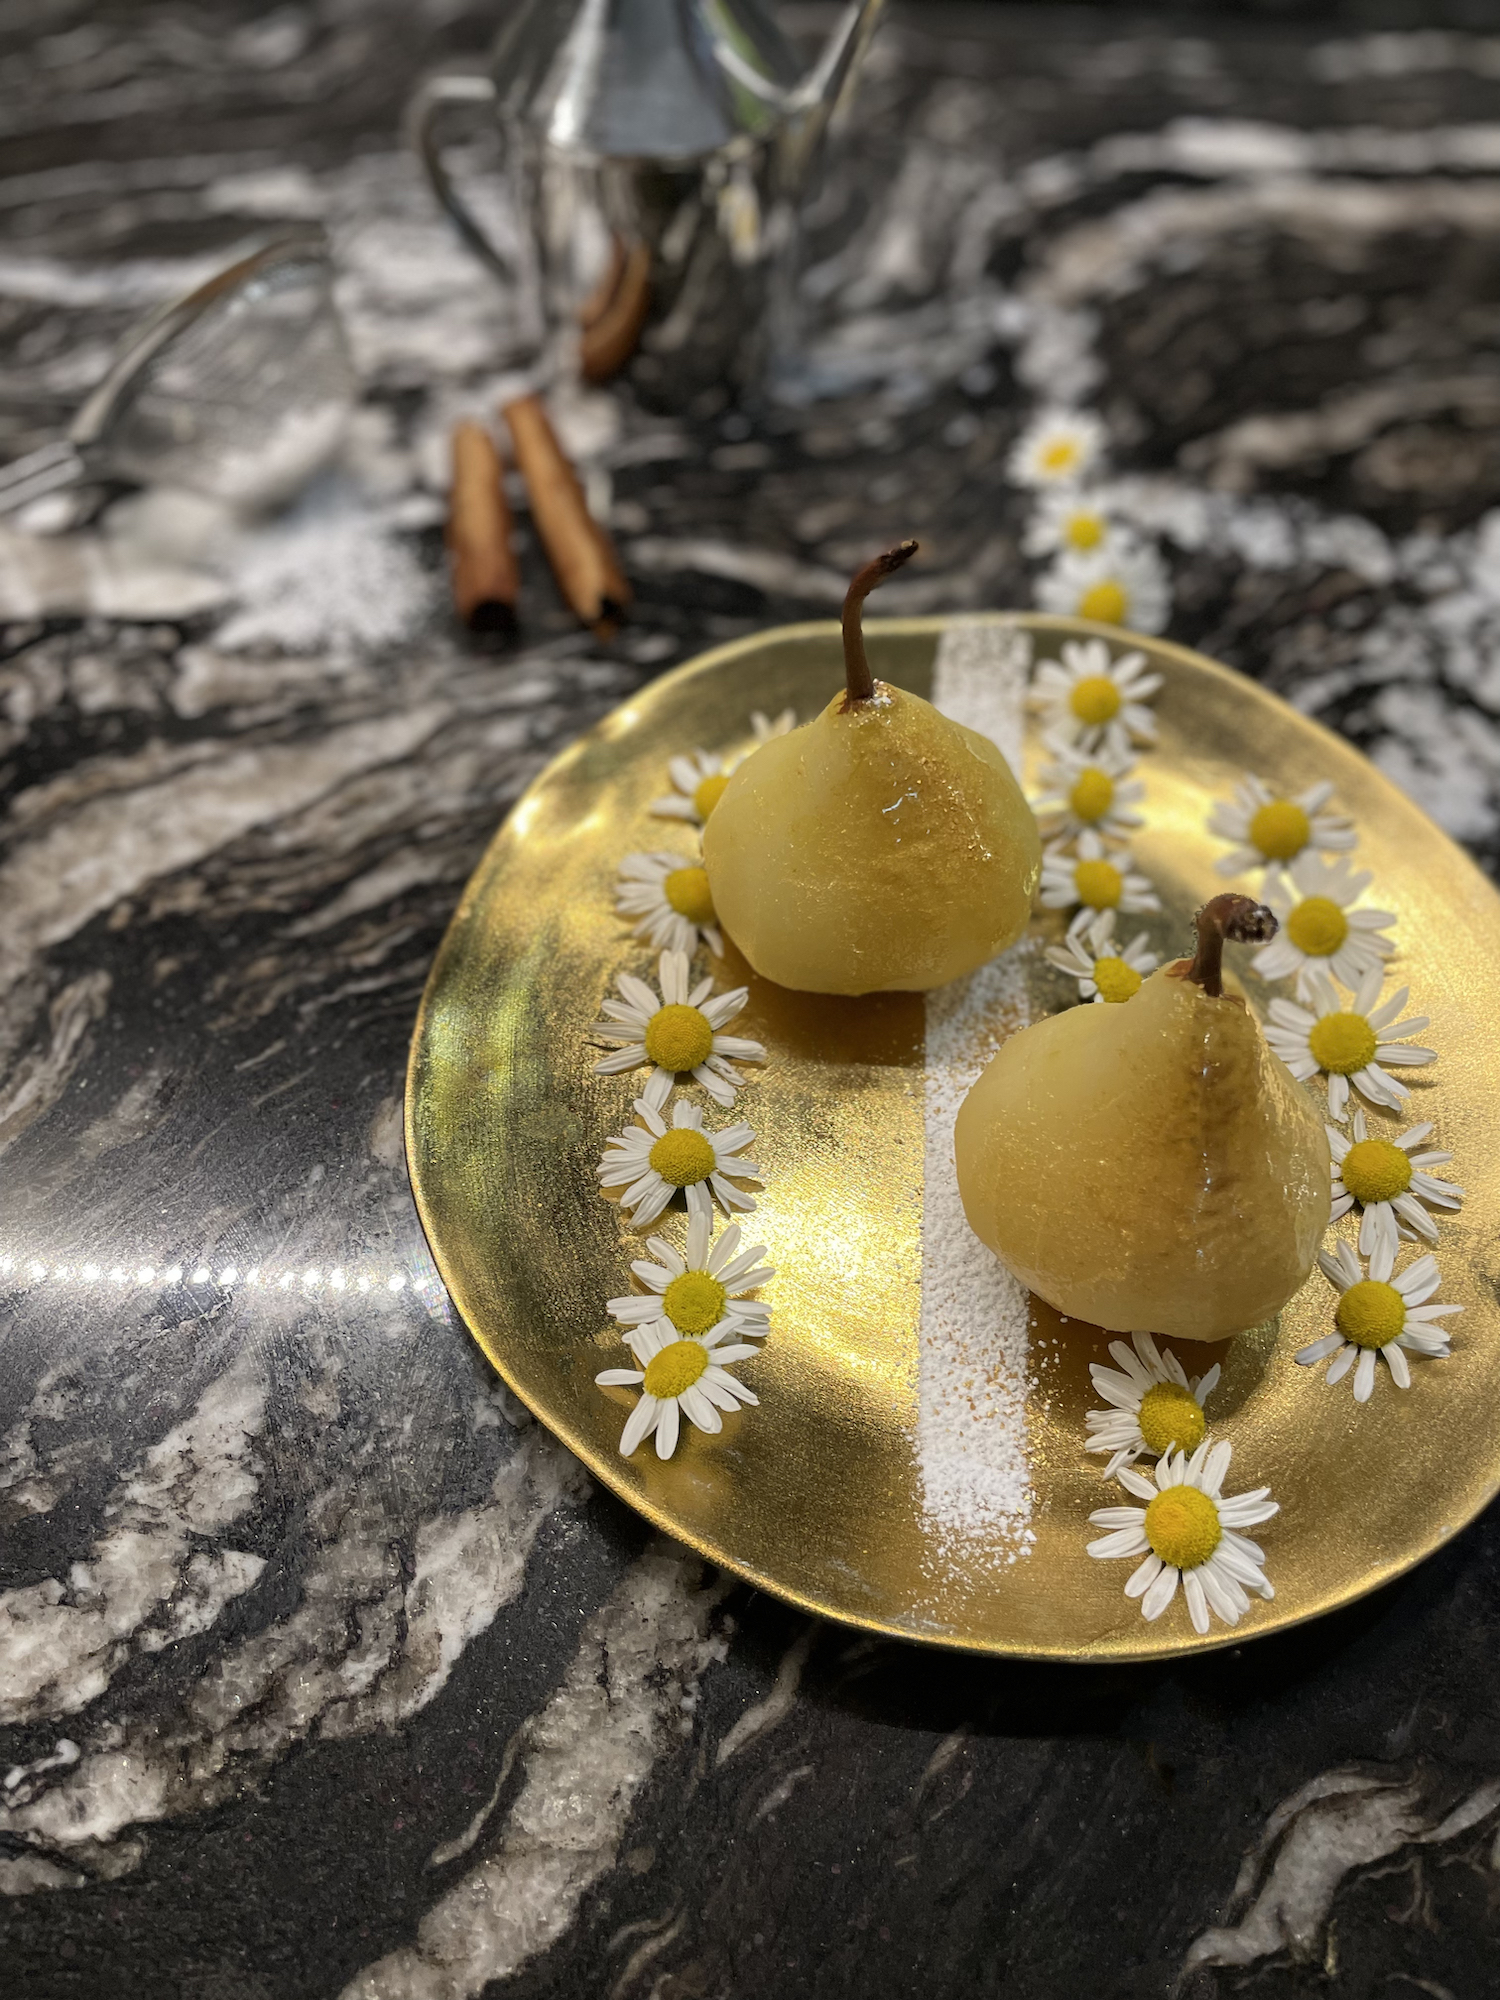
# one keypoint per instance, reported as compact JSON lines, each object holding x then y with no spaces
{"x":883,"y":848}
{"x":1149,"y":1166}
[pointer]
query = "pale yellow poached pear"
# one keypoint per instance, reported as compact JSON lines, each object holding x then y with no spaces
{"x":1151,"y":1166}
{"x":879,"y":848}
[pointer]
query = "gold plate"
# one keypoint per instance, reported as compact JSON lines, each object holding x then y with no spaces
{"x":817,"y":1495}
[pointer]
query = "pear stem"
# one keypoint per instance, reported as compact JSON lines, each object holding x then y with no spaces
{"x":1232,"y":918}
{"x":861,"y":682}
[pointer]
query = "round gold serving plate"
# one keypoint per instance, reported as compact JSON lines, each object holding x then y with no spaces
{"x":817,"y":1495}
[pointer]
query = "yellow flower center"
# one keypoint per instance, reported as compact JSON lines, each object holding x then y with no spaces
{"x":1182,"y":1526}
{"x":1084,"y":530}
{"x":694,"y":1302}
{"x":1060,"y":456}
{"x":1375,"y":1170}
{"x":708,"y":793}
{"x":1092,"y":795}
{"x":682,"y":1157}
{"x":1317,"y":926}
{"x":1371,"y":1314}
{"x":679,"y":1038}
{"x":1108,"y":601}
{"x":1280,"y":830}
{"x":1116,"y":980}
{"x":1170,"y":1418}
{"x":1342,"y":1043}
{"x":1094,"y":699}
{"x":1099,"y":884}
{"x":686,"y":889}
{"x":676,"y":1368}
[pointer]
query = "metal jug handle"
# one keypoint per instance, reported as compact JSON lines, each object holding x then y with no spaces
{"x":422,"y":114}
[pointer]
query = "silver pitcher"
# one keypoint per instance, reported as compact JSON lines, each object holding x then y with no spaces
{"x":655,"y":152}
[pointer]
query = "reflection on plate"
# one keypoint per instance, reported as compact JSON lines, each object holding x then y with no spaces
{"x":866,"y":1486}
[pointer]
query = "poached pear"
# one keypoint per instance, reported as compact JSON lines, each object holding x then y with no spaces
{"x":881,"y":847}
{"x":1150,"y":1165}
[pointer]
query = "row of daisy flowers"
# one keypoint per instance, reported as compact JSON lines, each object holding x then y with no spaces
{"x":1095,"y":716}
{"x":1098,"y":566}
{"x":697,"y":1312}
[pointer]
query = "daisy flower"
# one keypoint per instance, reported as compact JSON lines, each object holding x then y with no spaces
{"x":1082,"y":789}
{"x":1057,"y":448}
{"x":1320,"y":927}
{"x":698,"y":781}
{"x":652,"y":1160}
{"x":1094,"y":702}
{"x":700,"y":1290}
{"x":1090,"y":878}
{"x":676,"y":1031}
{"x":670,"y":895}
{"x":1269,"y":831}
{"x":687,"y":1373}
{"x":1348,"y":1044}
{"x":1065,"y":520}
{"x":766,"y":726}
{"x":1187,"y":1531}
{"x":1156,"y":1408}
{"x":1102,"y":972}
{"x":1389,"y":1181}
{"x":1123,"y":584}
{"x":1379,"y":1314}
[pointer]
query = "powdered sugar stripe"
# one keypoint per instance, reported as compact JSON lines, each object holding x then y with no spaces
{"x":973,"y":1335}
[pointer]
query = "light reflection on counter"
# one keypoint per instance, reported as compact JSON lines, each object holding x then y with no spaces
{"x":19,"y":1272}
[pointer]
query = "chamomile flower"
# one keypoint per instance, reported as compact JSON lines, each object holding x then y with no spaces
{"x":1057,"y":448}
{"x":670,"y":896}
{"x":1380,"y":1314}
{"x":1096,"y":881}
{"x":1270,"y":831}
{"x":1188,"y":1533}
{"x":676,"y":1031}
{"x":765,"y":727}
{"x":1095,"y":702}
{"x":700,"y":1289}
{"x":679,"y":1372}
{"x":1357,"y":1044}
{"x":1089,"y":789}
{"x":1320,"y":927}
{"x":1388,"y":1178}
{"x":1067,"y":520}
{"x":1103,"y":971}
{"x":698,"y":781}
{"x":1156,"y":1407}
{"x":652,"y":1160}
{"x":1125,"y":584}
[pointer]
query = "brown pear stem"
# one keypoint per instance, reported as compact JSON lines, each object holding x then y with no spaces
{"x":1228,"y":918}
{"x":861,"y":682}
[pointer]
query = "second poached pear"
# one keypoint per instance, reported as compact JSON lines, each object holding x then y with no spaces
{"x":1148,"y":1166}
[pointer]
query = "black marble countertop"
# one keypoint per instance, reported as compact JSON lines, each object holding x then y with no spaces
{"x":323,"y":1671}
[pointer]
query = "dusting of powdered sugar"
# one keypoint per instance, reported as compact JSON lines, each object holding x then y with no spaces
{"x":973,"y":1334}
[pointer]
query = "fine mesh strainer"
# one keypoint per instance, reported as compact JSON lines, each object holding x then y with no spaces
{"x":240,"y":390}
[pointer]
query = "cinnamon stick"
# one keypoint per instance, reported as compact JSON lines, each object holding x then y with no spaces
{"x":581,"y":554}
{"x":611,"y":322}
{"x":483,"y":564}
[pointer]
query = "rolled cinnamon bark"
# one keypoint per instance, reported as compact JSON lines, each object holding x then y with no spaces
{"x":483,"y":564}
{"x":581,"y":554}
{"x":612,"y":320}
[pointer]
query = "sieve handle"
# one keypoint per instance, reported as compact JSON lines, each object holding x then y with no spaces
{"x":46,"y":470}
{"x":432,"y":98}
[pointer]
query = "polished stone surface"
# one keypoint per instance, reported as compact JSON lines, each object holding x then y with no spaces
{"x":322,"y":1670}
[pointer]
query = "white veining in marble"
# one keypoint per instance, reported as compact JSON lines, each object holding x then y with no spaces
{"x":1337,"y":1823}
{"x":65,"y":1638}
{"x":586,"y":1755}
